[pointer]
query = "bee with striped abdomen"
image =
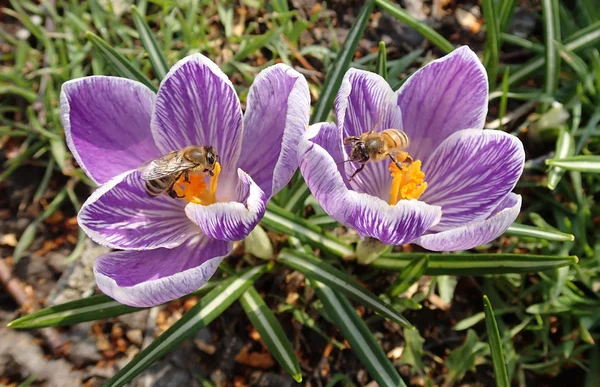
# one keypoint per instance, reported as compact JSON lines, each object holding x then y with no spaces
{"x":376,"y":146}
{"x":162,"y":173}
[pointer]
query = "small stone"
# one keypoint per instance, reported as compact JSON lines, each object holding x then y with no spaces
{"x":135,"y":336}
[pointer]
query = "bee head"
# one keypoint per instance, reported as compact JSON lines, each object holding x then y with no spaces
{"x":359,"y":152}
{"x":211,"y":157}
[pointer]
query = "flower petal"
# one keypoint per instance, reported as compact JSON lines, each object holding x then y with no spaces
{"x":197,"y":105}
{"x":277,"y":112}
{"x":107,"y":119}
{"x":366,"y":102}
{"x":470,"y":173}
{"x":149,"y":278}
{"x":475,"y":233}
{"x":447,"y":95}
{"x":369,"y":215}
{"x":231,"y":221}
{"x":121,"y":215}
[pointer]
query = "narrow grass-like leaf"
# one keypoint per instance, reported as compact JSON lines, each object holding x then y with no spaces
{"x":538,"y":233}
{"x":98,"y":307}
{"x":280,"y":220}
{"x":271,"y":332}
{"x":381,"y":65}
{"x":203,"y":313}
{"x":577,"y":163}
{"x":118,"y":62}
{"x":158,"y":60}
{"x":504,"y":98}
{"x":551,"y":33}
{"x":500,"y":373}
{"x":492,"y":42}
{"x":505,"y":13}
{"x":318,"y":270}
{"x":409,"y":275}
{"x":422,"y":28}
{"x":476,"y":264}
{"x":334,"y":77}
{"x":523,"y":43}
{"x":577,"y":64}
{"x":565,"y":147}
{"x":359,"y":336}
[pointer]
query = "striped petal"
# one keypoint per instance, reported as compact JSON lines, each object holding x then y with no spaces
{"x":231,"y":221}
{"x":107,"y":119}
{"x":475,"y":233}
{"x":369,"y":215}
{"x":277,"y":112}
{"x":197,"y":105}
{"x":152,"y":277}
{"x":121,"y":215}
{"x":445,"y":96}
{"x":470,"y":173}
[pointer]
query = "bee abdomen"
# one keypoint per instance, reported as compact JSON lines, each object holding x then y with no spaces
{"x":156,"y":187}
{"x":395,"y":138}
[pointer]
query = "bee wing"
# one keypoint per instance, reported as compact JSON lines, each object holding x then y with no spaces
{"x":164,"y":166}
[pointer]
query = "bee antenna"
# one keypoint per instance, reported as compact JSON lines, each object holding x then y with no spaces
{"x":342,"y":162}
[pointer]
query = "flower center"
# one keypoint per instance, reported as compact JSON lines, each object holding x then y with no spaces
{"x":408,"y":182}
{"x":198,"y":190}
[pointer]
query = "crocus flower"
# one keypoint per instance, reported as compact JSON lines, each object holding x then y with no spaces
{"x":455,"y":195}
{"x":172,"y":246}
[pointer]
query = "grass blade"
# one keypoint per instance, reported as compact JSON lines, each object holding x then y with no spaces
{"x":577,"y":64}
{"x":318,"y":270}
{"x":476,"y":264}
{"x":492,"y":42}
{"x":203,"y":313}
{"x":565,"y":147}
{"x":577,"y":163}
{"x":409,"y":275}
{"x":550,"y":13}
{"x":118,"y":62}
{"x":342,"y":63}
{"x":507,"y":8}
{"x":359,"y":336}
{"x":280,"y":220}
{"x":538,"y":233}
{"x":381,"y":65}
{"x":158,"y":60}
{"x":500,"y":373}
{"x":422,"y":28}
{"x":271,"y":332}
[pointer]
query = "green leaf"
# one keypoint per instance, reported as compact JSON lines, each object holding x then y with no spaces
{"x":335,"y":74}
{"x":551,"y":33}
{"x":98,"y":307}
{"x":462,"y":359}
{"x":507,"y":8}
{"x":538,"y":233}
{"x":578,"y":65}
{"x":500,"y":373}
{"x":359,"y":336}
{"x":492,"y":42}
{"x":271,"y":332}
{"x":577,"y":163}
{"x":422,"y":28}
{"x":318,"y":270}
{"x":413,"y":350}
{"x":280,"y":220}
{"x":203,"y":313}
{"x":565,"y":147}
{"x":409,"y":275}
{"x":118,"y":62}
{"x":158,"y":60}
{"x":476,"y":264}
{"x":381,"y":65}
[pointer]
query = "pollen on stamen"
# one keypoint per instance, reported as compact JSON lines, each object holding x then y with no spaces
{"x":198,"y":190}
{"x":407,"y":183}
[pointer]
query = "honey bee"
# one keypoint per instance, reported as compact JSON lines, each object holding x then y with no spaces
{"x":376,"y":146}
{"x":162,"y":173}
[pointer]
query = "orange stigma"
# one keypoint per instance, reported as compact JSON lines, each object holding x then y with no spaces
{"x":408,"y":182}
{"x":196,"y":190}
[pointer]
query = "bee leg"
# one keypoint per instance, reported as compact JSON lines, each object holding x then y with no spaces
{"x":362,"y":166}
{"x":351,"y":139}
{"x":174,"y":195}
{"x":186,"y":176}
{"x":210,"y":172}
{"x":399,"y":165}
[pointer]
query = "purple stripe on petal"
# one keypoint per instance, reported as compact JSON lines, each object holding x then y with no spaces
{"x":108,"y":119}
{"x":277,"y":112}
{"x":470,"y":173}
{"x":121,"y":215}
{"x":369,"y":215}
{"x":197,"y":105}
{"x":152,"y":277}
{"x":447,"y":95}
{"x":231,"y":221}
{"x":475,"y":233}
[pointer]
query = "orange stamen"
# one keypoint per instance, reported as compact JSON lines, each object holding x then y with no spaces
{"x":196,"y":190}
{"x":408,"y":182}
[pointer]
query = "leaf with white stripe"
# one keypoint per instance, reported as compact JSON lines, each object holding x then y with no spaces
{"x":159,"y":63}
{"x":203,"y":313}
{"x":271,"y":332}
{"x":577,"y":163}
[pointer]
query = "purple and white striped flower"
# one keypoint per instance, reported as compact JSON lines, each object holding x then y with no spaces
{"x":172,"y":246}
{"x":462,"y":196}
